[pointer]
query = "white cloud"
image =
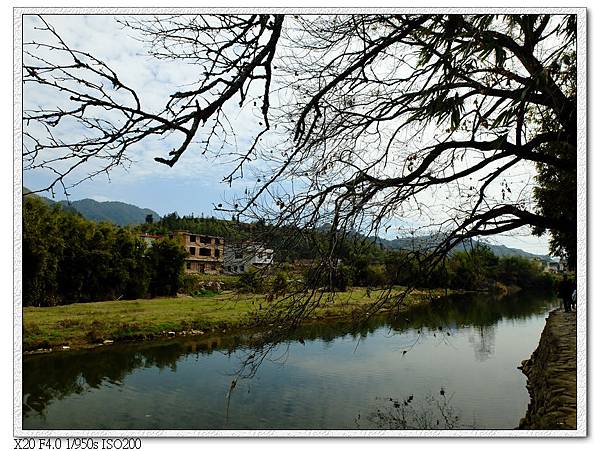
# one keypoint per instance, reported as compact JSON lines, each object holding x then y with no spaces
{"x":155,"y":80}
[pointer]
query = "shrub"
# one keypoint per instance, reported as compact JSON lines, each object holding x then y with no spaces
{"x":251,"y":282}
{"x":190,"y":283}
{"x":203,"y":293}
{"x":336,"y":279}
{"x":280,"y":283}
{"x":166,"y":263}
{"x":375,"y":276}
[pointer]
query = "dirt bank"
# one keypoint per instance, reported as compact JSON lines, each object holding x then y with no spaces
{"x":552,"y":376}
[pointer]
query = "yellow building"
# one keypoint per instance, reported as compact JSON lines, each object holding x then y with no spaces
{"x":205,"y":252}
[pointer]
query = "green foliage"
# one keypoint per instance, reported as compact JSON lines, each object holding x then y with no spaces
{"x":129,"y":267}
{"x":203,"y":293}
{"x":290,"y":243}
{"x":556,"y":196}
{"x":337,"y":279}
{"x":523,"y":273}
{"x":556,"y":192}
{"x":251,"y":282}
{"x":191,"y":283}
{"x":200,"y":284}
{"x":229,"y":230}
{"x":42,"y":249}
{"x":375,"y":276}
{"x":341,"y":278}
{"x":279,"y":284}
{"x":166,"y":258}
{"x":119,"y":213}
{"x":400,"y":268}
{"x":67,"y":258}
{"x":471,"y":269}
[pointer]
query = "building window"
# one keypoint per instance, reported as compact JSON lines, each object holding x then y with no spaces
{"x":217,"y":252}
{"x":192,"y":238}
{"x":204,"y":251}
{"x":188,"y":265}
{"x":205,"y":240}
{"x":192,"y":251}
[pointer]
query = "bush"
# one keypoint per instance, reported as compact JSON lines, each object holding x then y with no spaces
{"x":375,"y":276}
{"x":190,"y":283}
{"x":279,"y":285}
{"x":524,"y":273}
{"x":166,"y":263}
{"x":342,"y":277}
{"x":336,"y":279}
{"x":251,"y":282}
{"x":203,"y":293}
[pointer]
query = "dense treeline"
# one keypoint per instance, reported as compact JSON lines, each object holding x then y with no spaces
{"x":67,"y":258}
{"x":230,"y":230}
{"x":290,"y":243}
{"x":474,"y":268}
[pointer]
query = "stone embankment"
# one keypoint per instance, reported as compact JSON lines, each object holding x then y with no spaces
{"x":552,"y":376}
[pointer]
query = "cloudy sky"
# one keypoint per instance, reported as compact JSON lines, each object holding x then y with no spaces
{"x":194,"y":184}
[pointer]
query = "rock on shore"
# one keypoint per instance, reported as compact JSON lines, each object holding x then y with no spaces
{"x":552,"y":376}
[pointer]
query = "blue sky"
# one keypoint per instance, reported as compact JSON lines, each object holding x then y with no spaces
{"x":194,"y":184}
{"x":191,"y":186}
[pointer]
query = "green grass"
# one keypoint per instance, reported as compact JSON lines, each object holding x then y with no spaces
{"x":79,"y":325}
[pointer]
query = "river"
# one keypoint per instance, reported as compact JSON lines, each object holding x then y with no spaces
{"x":449,"y":364}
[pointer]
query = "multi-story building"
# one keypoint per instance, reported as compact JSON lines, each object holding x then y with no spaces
{"x":243,"y":256}
{"x":206,"y":253}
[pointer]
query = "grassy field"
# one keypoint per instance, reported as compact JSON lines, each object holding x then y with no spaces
{"x":80,"y":325}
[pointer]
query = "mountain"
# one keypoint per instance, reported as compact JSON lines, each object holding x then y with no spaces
{"x":430,"y":240}
{"x":122,"y":214}
{"x":119,"y":213}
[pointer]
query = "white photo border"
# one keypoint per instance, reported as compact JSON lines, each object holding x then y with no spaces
{"x":582,"y":337}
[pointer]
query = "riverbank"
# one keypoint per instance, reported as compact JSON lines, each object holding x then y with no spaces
{"x":100,"y":323}
{"x":552,"y":376}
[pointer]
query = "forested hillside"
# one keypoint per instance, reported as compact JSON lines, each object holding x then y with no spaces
{"x":119,"y":213}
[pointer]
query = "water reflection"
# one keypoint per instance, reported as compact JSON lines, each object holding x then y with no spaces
{"x":431,"y":412}
{"x":325,"y":369}
{"x":55,"y":376}
{"x":482,"y":341}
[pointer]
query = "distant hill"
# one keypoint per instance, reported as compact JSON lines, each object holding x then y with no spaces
{"x":123,"y":214}
{"x":119,"y":213}
{"x":427,"y":241}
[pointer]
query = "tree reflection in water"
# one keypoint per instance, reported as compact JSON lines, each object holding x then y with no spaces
{"x":483,"y":342}
{"x":59,"y":375}
{"x":431,"y":412}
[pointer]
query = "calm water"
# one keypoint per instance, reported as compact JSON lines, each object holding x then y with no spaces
{"x":460,"y":363}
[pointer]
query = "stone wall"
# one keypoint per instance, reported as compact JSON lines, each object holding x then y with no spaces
{"x":552,"y":376}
